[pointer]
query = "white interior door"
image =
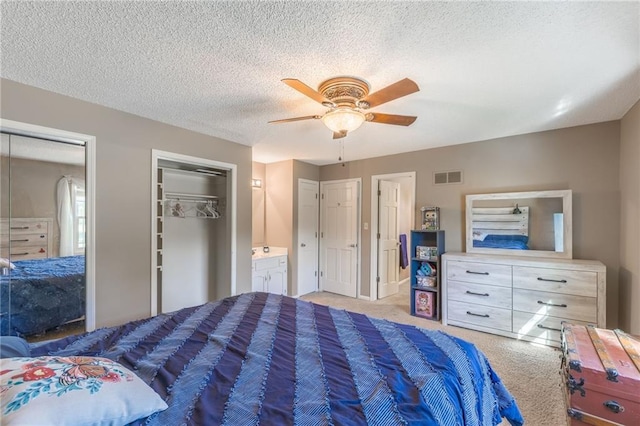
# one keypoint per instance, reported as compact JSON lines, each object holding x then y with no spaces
{"x":388,"y":243}
{"x":339,"y":237}
{"x":307,"y":250}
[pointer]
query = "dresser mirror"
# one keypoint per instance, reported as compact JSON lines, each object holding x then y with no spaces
{"x":536,"y":223}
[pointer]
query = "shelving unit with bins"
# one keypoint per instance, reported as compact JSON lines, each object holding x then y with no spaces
{"x":426,"y":299}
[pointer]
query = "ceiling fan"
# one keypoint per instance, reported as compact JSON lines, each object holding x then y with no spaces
{"x":348,"y":100}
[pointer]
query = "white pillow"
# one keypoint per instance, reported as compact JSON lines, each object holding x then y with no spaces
{"x":72,"y":391}
{"x":4,"y":263}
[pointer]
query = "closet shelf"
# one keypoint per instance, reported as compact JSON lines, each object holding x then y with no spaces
{"x":189,"y":197}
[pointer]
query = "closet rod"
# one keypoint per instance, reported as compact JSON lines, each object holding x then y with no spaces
{"x":192,"y":196}
{"x":213,"y":174}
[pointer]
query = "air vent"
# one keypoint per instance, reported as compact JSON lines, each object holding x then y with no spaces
{"x":454,"y":176}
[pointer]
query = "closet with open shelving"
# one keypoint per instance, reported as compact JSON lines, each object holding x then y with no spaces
{"x":192,"y":236}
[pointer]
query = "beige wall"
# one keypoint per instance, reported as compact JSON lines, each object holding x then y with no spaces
{"x":279,"y":209}
{"x":279,"y":204}
{"x":630,"y":216}
{"x":258,"y":205}
{"x":584,"y":159}
{"x":33,"y":190}
{"x":123,"y":189}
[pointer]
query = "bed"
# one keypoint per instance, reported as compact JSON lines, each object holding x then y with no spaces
{"x":511,"y":242}
{"x":500,"y":227}
{"x":41,"y":294}
{"x":261,"y":358}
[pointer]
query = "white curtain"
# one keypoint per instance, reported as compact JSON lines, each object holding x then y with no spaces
{"x":65,"y":215}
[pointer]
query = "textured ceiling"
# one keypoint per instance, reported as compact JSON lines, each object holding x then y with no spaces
{"x":485,"y":69}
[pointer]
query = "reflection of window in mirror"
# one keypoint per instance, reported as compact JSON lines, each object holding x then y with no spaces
{"x":79,"y":219}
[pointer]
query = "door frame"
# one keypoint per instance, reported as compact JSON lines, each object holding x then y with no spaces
{"x":156,"y":155}
{"x":359,"y":237}
{"x":89,"y":141}
{"x":373,"y":289}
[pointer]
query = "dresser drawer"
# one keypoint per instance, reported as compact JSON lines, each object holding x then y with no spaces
{"x":481,"y":273}
{"x":484,"y":316}
{"x":24,"y":226}
{"x":539,"y":326}
{"x":556,"y":305}
{"x":22,"y":240}
{"x":23,"y":253}
{"x":481,"y":294}
{"x":579,"y":283}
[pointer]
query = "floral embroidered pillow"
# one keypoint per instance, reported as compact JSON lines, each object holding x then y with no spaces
{"x":72,"y":390}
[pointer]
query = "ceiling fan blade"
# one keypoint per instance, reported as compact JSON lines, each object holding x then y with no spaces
{"x":286,"y":120}
{"x":396,"y":90}
{"x":305,"y":90}
{"x":398,"y":120}
{"x":339,"y":135}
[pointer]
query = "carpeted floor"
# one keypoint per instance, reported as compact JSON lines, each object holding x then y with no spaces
{"x":530,"y":372}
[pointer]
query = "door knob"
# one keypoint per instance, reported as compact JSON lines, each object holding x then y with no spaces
{"x":303,"y":245}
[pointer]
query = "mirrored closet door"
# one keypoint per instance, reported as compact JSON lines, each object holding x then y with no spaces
{"x":42,"y":237}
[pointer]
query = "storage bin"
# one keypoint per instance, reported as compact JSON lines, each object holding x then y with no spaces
{"x":424,"y":281}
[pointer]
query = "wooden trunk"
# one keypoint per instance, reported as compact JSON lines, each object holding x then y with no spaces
{"x":601,"y":371}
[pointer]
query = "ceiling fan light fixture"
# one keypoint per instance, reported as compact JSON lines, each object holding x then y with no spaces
{"x":343,"y":119}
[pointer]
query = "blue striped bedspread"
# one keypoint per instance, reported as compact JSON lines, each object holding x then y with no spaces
{"x":266,"y":359}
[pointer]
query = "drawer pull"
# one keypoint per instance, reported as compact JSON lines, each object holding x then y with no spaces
{"x":26,"y":240}
{"x":477,"y":273}
{"x":19,"y":254}
{"x":478,"y":315}
{"x":544,"y":327}
{"x":477,"y":294}
{"x":613,"y":406}
{"x":19,"y":227}
{"x":552,"y":281}
{"x":559,"y":305}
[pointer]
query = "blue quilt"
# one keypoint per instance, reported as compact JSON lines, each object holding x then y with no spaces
{"x":41,"y":294}
{"x":513,"y":242}
{"x":262,"y":358}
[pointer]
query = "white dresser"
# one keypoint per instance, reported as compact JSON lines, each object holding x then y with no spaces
{"x":522,"y":297}
{"x":26,"y":238}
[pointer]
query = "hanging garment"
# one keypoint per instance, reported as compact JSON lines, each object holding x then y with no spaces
{"x":404,"y":259}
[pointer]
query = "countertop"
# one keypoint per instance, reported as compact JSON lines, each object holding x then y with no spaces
{"x":273,"y":252}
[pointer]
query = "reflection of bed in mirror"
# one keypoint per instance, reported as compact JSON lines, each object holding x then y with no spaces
{"x":41,"y":294}
{"x":500,"y":227}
